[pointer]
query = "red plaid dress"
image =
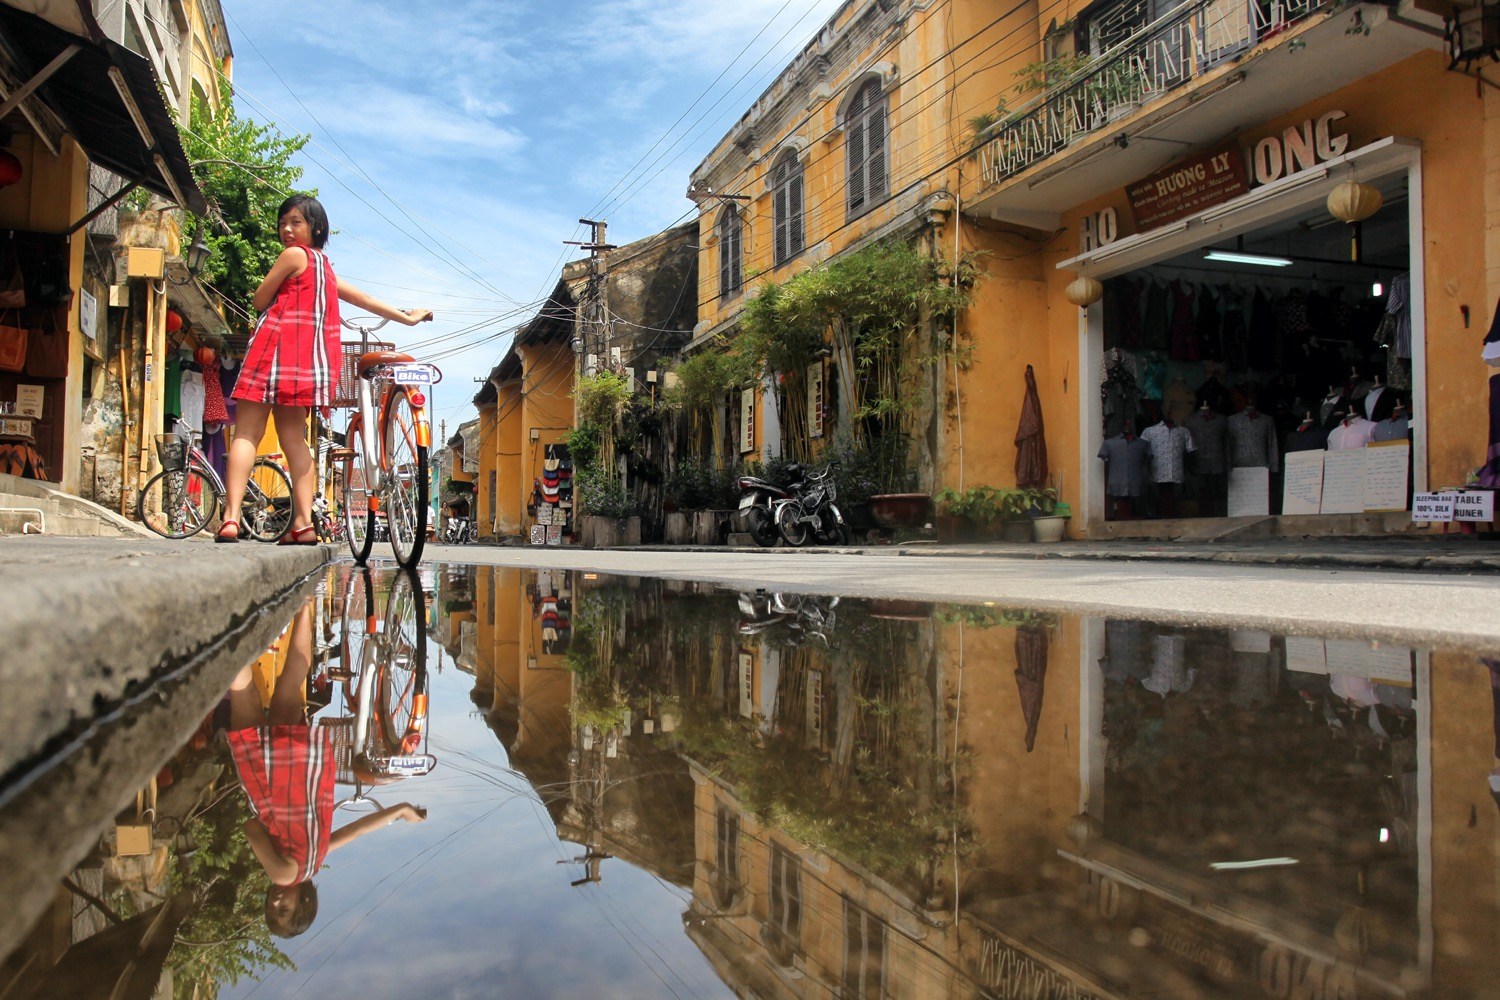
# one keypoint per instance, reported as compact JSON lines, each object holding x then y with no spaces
{"x":288,"y":774}
{"x":294,"y":354}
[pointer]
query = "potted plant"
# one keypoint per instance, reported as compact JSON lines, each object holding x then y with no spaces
{"x":1048,"y":517}
{"x":963,"y":516}
{"x":1014,"y":505}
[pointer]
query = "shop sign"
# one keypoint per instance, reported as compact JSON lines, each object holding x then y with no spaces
{"x":1432,"y":507}
{"x":1476,"y":506}
{"x":1204,"y":180}
{"x":1298,"y":147}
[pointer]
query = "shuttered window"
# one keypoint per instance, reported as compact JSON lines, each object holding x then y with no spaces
{"x":786,"y":208}
{"x":865,"y":142}
{"x":731,"y":252}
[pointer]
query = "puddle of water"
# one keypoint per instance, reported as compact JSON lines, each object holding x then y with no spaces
{"x":571,"y":784}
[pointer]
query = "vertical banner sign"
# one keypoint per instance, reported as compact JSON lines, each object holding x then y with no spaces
{"x":747,"y":421}
{"x":815,"y":399}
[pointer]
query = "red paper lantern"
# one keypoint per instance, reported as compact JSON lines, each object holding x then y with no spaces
{"x":174,"y":321}
{"x":204,"y":355}
{"x":10,"y":168}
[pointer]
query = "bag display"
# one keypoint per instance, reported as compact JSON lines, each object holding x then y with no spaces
{"x":47,"y":351}
{"x":14,"y":341}
{"x":12,"y":281}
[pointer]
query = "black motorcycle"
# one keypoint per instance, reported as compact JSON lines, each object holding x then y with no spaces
{"x":811,"y":512}
{"x":758,"y":500}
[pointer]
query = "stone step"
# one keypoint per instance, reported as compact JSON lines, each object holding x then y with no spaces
{"x":65,"y":514}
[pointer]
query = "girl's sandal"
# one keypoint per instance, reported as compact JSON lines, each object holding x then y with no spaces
{"x":300,"y":536}
{"x":229,"y":531}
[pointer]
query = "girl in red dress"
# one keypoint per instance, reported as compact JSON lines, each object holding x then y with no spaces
{"x":294,"y":361}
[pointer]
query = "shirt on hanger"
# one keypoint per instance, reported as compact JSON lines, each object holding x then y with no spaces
{"x":1210,"y":433}
{"x":1354,"y":433}
{"x":1125,"y":465}
{"x":1169,"y":448}
{"x":1252,"y":442}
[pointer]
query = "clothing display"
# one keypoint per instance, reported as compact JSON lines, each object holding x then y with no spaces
{"x":1309,"y":436}
{"x":1170,"y":444}
{"x":1119,"y":390}
{"x":1210,"y":433}
{"x":1490,"y":350}
{"x":1252,"y":441}
{"x":193,"y":397}
{"x":1351,"y":432}
{"x":1126,"y":465}
{"x":1398,"y":306}
{"x":214,"y":411}
{"x":1396,"y":427}
{"x":1489,"y":473}
{"x":1177,"y":400}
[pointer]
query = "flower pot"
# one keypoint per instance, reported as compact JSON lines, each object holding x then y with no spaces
{"x":628,"y":530}
{"x":952,"y":529}
{"x":1048,"y":529}
{"x":858,"y":516}
{"x":678,"y":529}
{"x":599,"y":532}
{"x":901,"y":510}
{"x":1015,"y":531}
{"x":709,"y":526}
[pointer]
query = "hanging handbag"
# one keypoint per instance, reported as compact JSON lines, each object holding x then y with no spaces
{"x":13,"y":342}
{"x":47,"y":352}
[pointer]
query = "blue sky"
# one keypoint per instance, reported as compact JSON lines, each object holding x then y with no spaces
{"x":456,"y":144}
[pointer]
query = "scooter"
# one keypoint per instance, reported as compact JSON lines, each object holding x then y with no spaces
{"x":758,"y":500}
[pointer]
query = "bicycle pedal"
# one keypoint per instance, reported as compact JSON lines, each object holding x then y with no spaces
{"x":339,"y":454}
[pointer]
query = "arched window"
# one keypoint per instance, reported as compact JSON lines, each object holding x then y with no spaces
{"x":786,"y":208}
{"x":865,"y":147}
{"x":731,"y":252}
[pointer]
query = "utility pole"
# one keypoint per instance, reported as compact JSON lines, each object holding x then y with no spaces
{"x":594,"y":323}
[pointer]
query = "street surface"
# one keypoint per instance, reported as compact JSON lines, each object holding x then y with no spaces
{"x":1413,"y":607}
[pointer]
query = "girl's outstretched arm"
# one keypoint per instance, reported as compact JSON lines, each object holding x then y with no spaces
{"x":289,"y":263}
{"x":369,"y":303}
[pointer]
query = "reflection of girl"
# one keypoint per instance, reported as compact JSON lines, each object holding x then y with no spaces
{"x":286,"y":765}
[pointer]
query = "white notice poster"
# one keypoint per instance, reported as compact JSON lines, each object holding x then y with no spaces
{"x":29,"y":400}
{"x":1249,"y":492}
{"x":1432,"y":507}
{"x":1306,"y":655}
{"x":1385,"y":475}
{"x":1344,"y":481}
{"x":1302,"y":489}
{"x":1474,"y":505}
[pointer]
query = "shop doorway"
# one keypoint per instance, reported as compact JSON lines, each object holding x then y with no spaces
{"x":1299,"y":334}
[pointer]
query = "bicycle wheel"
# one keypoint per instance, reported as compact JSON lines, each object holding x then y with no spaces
{"x":793,"y":531}
{"x":359,"y":519}
{"x":266,"y":512}
{"x":403,"y":693}
{"x":178,"y":504}
{"x":405,"y":474}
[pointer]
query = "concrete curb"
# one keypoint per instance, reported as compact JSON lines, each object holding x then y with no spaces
{"x":1358,"y":553}
{"x":87,"y":621}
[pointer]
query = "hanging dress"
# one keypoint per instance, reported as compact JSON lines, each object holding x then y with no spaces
{"x":294,"y":352}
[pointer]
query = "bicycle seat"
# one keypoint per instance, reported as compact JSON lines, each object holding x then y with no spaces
{"x":377,"y":358}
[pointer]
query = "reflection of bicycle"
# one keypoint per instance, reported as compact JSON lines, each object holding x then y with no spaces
{"x":384,"y":457}
{"x":383,"y":736}
{"x":186,"y":497}
{"x":798,"y":617}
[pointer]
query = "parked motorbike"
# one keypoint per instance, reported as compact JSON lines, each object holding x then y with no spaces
{"x":812,"y":513}
{"x":797,"y":618}
{"x":758,"y":500}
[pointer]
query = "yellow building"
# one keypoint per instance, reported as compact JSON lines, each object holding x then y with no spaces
{"x":1124,"y":144}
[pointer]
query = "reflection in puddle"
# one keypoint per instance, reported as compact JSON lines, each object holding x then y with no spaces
{"x":788,"y":795}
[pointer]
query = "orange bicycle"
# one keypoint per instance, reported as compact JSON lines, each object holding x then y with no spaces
{"x":384,"y":458}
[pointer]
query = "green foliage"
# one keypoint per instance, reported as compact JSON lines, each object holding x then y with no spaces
{"x":977,"y":504}
{"x":600,"y":397}
{"x":1039,"y":76}
{"x":451,"y":486}
{"x":694,"y":484}
{"x":224,"y":938}
{"x":583,"y":444}
{"x":601,"y":494}
{"x":252,"y":176}
{"x":870,"y":466}
{"x":988,"y":617}
{"x":703,"y":379}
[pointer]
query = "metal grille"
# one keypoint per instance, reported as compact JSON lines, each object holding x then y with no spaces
{"x":341,"y":732}
{"x":347,"y":391}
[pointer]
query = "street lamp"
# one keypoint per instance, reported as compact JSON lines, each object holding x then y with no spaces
{"x":194,"y":257}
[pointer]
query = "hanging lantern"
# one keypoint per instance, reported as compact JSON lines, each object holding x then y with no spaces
{"x":204,"y":355}
{"x":1084,"y":291}
{"x":1353,"y":202}
{"x":174,"y":321}
{"x":10,"y":168}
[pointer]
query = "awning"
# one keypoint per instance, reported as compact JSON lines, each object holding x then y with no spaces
{"x":107,"y":95}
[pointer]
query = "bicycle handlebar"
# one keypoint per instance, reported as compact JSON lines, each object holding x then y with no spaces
{"x":363,"y":329}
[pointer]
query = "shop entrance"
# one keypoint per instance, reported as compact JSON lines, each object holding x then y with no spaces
{"x":1219,"y":360}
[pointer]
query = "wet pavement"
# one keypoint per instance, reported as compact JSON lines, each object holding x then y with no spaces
{"x":558,"y":782}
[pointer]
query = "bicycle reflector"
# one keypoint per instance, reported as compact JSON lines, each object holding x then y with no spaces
{"x":417,"y":399}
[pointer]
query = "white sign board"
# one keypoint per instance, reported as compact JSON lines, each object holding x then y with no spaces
{"x":1476,"y":506}
{"x":29,"y":400}
{"x":1249,"y":492}
{"x":1385,"y":475}
{"x":88,"y":314}
{"x":1432,"y":507}
{"x":1302,"y":489}
{"x":1344,"y":481}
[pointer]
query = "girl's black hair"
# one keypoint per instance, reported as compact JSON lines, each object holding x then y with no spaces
{"x":312,"y":211}
{"x":302,"y":915}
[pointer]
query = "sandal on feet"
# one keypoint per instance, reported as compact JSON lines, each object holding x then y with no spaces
{"x":229,"y":531}
{"x":300,"y":536}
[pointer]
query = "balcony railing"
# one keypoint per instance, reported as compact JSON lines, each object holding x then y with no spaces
{"x":1136,"y":63}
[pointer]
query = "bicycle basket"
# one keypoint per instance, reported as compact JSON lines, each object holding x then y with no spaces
{"x":342,"y":733}
{"x":347,"y":391}
{"x":172,"y":451}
